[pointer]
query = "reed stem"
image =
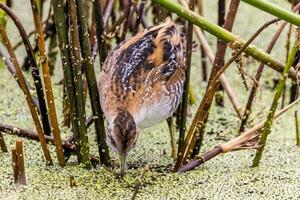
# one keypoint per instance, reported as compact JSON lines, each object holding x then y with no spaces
{"x":92,"y":85}
{"x":48,"y":85}
{"x":297,"y":129}
{"x":2,"y":143}
{"x":34,"y":68}
{"x":100,"y":28}
{"x":185,"y":95}
{"x":81,"y":137}
{"x":20,"y":163}
{"x":270,"y":118}
{"x":27,"y":94}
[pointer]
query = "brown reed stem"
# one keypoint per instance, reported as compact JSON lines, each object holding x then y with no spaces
{"x":140,"y":14}
{"x":100,"y":28}
{"x":218,"y":62}
{"x":92,"y":85}
{"x":203,"y":55}
{"x":2,"y":143}
{"x":48,"y":85}
{"x":223,"y":80}
{"x":14,"y":164}
{"x":27,"y":94}
{"x":297,"y":129}
{"x":219,"y":96}
{"x":20,"y":163}
{"x":34,"y":68}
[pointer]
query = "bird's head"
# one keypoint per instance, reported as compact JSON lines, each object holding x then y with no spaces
{"x":122,"y":135}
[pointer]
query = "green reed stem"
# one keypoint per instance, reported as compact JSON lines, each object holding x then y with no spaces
{"x":270,"y":118}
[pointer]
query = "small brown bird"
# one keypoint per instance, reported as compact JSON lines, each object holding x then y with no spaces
{"x":141,"y":84}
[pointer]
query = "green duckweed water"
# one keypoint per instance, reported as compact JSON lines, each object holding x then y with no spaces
{"x":227,"y":176}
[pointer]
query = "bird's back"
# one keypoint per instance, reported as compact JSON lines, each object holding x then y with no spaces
{"x":144,"y":75}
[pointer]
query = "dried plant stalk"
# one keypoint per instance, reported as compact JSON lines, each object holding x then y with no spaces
{"x":27,"y":94}
{"x":2,"y":143}
{"x":48,"y":85}
{"x":34,"y":69}
{"x":20,"y":163}
{"x":14,"y":164}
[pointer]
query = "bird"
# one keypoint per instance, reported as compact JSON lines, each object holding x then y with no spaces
{"x":141,"y":84}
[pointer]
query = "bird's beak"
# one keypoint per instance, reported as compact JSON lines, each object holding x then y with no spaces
{"x":123,"y":164}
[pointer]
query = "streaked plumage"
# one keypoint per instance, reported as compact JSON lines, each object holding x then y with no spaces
{"x":141,"y":83}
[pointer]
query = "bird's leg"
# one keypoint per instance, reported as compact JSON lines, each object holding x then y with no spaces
{"x":172,"y":134}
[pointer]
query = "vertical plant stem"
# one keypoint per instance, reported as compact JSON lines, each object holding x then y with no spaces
{"x":223,"y":80}
{"x":219,"y":97}
{"x":14,"y":163}
{"x":203,"y":56}
{"x":185,"y":96}
{"x":48,"y":85}
{"x":92,"y":85}
{"x":27,"y":94}
{"x":140,"y":13}
{"x":81,"y":138}
{"x":297,"y":129}
{"x":218,"y":62}
{"x":34,"y":69}
{"x":2,"y":143}
{"x":172,"y":130}
{"x":270,"y":118}
{"x":20,"y":163}
{"x":63,"y":39}
{"x":66,"y":108}
{"x":100,"y":28}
